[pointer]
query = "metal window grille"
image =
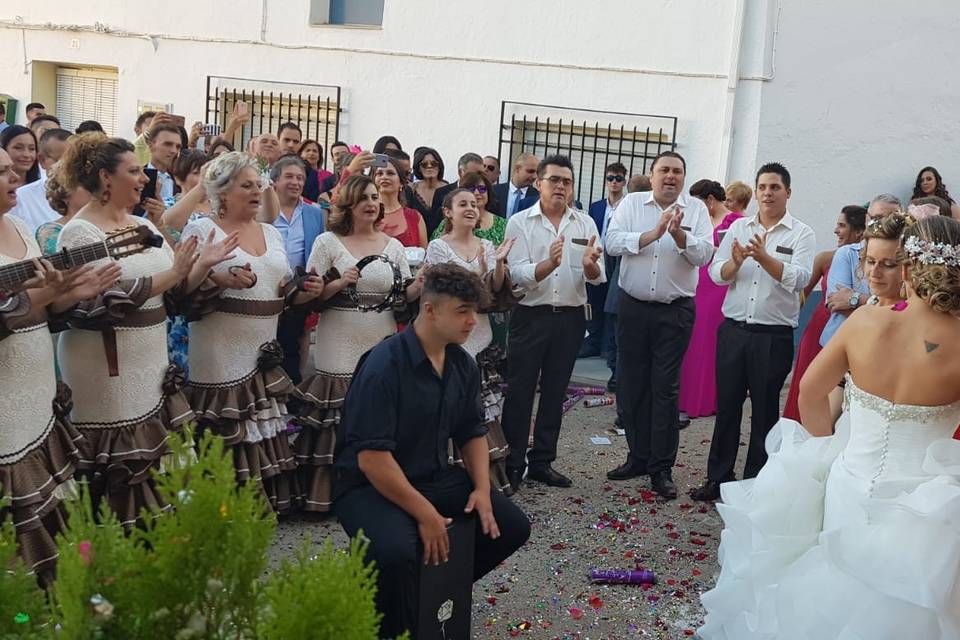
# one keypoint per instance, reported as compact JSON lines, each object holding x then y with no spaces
{"x":315,"y":108}
{"x":591,"y":139}
{"x":87,"y":94}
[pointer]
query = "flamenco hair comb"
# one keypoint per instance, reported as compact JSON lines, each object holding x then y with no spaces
{"x":931,"y":253}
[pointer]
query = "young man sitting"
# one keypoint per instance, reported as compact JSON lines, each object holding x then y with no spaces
{"x":410,"y":395}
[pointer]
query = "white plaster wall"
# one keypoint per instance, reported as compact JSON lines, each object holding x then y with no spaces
{"x":435,"y":74}
{"x":865,"y":94}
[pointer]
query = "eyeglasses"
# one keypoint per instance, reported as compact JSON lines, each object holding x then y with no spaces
{"x":558,"y":180}
{"x":427,"y":164}
{"x":477,"y":188}
{"x":491,"y":167}
{"x":615,"y":178}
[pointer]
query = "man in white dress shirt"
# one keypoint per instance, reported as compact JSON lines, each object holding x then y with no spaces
{"x":557,"y":252}
{"x":664,"y":237}
{"x":766,"y":261}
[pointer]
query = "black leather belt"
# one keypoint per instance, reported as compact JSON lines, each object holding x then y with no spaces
{"x":549,"y":308}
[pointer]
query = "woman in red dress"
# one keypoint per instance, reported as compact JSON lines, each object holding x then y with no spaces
{"x":399,"y":221}
{"x":851,"y":224}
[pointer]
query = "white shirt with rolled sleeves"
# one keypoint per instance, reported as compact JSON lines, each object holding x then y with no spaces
{"x":754,"y":296}
{"x":565,"y":285}
{"x":660,"y":271}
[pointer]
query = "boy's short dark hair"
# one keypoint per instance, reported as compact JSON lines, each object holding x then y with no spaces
{"x":616,"y":167}
{"x":34,"y":105}
{"x":448,"y":279}
{"x":45,"y":118}
{"x":777,"y":168}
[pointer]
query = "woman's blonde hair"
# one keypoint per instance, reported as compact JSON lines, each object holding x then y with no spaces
{"x":932,"y":247}
{"x":222,"y":171}
{"x":739,"y":192}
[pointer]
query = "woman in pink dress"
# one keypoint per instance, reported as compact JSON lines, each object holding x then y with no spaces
{"x":698,"y":387}
{"x":851,"y":224}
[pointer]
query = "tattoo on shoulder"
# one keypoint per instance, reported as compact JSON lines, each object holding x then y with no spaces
{"x":930,"y":346}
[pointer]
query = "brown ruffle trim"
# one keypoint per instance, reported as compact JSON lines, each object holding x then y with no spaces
{"x":32,"y":484}
{"x":194,"y":305}
{"x":321,"y":404}
{"x":498,"y":448}
{"x":110,"y":307}
{"x":224,"y":409}
{"x":118,"y":461}
{"x":242,"y":399}
{"x":504,"y":299}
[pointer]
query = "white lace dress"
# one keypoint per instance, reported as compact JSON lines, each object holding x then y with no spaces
{"x":38,"y":445}
{"x":237,"y":386}
{"x":126,"y":394}
{"x":343,"y":334}
{"x":439,"y":252}
{"x":852,"y":536}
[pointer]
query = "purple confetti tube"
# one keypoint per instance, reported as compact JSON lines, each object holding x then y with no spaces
{"x":571,"y":403}
{"x":622,"y":576}
{"x":588,"y":391}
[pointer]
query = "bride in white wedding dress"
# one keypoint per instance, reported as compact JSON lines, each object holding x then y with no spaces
{"x":856,"y":536}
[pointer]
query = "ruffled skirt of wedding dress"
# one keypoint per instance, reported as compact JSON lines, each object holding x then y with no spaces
{"x":805,"y":555}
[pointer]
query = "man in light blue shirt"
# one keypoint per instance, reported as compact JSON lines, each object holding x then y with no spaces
{"x":847,"y":289}
{"x":299,"y":224}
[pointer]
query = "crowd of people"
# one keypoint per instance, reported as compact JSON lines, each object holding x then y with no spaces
{"x":422,"y":297}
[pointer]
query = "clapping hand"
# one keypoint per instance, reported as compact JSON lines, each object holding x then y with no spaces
{"x":504,"y":249}
{"x":556,"y":251}
{"x":663,"y":224}
{"x":185,"y":256}
{"x":757,"y":247}
{"x":738,"y":253}
{"x":83,"y":284}
{"x":675,"y":221}
{"x":213,"y":253}
{"x":592,"y":253}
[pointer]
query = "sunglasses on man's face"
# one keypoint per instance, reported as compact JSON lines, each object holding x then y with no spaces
{"x":477,"y":188}
{"x":491,"y":167}
{"x":614,"y":178}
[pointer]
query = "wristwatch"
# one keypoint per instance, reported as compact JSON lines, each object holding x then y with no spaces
{"x":855,"y":300}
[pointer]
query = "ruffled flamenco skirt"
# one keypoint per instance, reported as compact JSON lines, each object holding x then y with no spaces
{"x":491,"y":396}
{"x":36,"y":485}
{"x":319,"y":407}
{"x":118,"y":461}
{"x":250,"y":414}
{"x":880,"y":568}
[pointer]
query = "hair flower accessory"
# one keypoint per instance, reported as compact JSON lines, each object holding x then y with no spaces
{"x":921,"y":211}
{"x":932,"y":253}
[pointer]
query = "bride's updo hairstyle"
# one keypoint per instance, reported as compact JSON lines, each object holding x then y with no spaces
{"x":932,"y":248}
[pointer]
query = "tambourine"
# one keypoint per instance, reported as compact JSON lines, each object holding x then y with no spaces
{"x":394,"y":296}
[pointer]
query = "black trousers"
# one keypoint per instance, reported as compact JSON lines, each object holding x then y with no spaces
{"x":754,"y":358}
{"x":395,"y":542}
{"x":652,"y":338}
{"x":542,"y":347}
{"x":289,"y":332}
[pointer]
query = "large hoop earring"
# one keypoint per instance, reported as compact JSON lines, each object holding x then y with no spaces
{"x":105,"y":196}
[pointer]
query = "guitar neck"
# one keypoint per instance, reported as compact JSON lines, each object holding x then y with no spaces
{"x":12,"y":276}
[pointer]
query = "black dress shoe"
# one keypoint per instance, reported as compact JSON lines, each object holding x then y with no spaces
{"x":612,"y":383}
{"x":709,"y":490}
{"x":662,"y":483}
{"x":549,"y":475}
{"x":683,"y":421}
{"x":515,"y":477}
{"x":626,"y":471}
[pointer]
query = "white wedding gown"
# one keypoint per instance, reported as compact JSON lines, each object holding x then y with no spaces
{"x":852,"y":537}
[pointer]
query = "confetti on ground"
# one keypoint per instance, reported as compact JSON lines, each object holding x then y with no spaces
{"x":544,"y":591}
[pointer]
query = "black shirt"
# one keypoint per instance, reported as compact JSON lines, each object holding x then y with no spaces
{"x":398,"y":403}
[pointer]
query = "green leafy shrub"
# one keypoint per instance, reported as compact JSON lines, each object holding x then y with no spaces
{"x":193,"y":572}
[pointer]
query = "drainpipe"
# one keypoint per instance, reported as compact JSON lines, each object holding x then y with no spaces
{"x":733,"y":77}
{"x":263,"y":22}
